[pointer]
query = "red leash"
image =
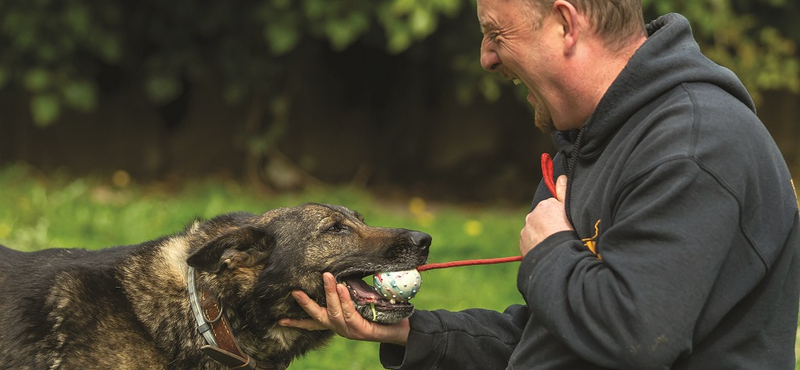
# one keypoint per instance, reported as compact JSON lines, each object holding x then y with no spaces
{"x":547,"y":176}
{"x":432,"y":266}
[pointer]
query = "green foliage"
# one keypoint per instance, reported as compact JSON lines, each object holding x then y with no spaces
{"x":745,"y":38}
{"x":41,"y":41}
{"x":56,"y":51}
{"x":56,"y":48}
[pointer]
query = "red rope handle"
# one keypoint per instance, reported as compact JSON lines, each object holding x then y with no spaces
{"x":547,"y":176}
{"x":547,"y":173}
{"x":490,"y":261}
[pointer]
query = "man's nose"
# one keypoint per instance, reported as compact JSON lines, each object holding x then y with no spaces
{"x":490,"y":61}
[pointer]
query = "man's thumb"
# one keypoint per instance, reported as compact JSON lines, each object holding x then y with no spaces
{"x":561,"y":188}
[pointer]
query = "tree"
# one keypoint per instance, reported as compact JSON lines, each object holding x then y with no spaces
{"x":64,"y":54}
{"x":756,"y":39}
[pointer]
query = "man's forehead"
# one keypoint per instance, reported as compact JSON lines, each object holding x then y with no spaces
{"x":490,"y":10}
{"x":485,"y":25}
{"x":485,"y":17}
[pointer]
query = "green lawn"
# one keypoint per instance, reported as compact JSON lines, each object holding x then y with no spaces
{"x":39,"y":211}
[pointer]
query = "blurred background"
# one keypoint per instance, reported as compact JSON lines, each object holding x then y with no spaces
{"x":386,"y":95}
{"x":121,"y":121}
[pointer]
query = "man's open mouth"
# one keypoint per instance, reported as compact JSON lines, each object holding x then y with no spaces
{"x":371,"y":305}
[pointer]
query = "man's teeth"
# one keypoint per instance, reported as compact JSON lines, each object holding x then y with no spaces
{"x":516,"y":81}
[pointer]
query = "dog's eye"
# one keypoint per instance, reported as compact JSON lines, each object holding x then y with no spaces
{"x":337,"y":228}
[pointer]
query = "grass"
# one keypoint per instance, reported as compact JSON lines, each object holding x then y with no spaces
{"x":55,"y":210}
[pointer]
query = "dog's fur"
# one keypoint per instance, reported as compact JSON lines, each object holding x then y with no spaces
{"x":127,"y":307}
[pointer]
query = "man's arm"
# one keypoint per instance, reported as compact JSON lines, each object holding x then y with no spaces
{"x":637,"y":305}
{"x":471,"y":339}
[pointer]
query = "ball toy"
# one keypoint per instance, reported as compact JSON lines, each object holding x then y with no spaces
{"x":397,"y":286}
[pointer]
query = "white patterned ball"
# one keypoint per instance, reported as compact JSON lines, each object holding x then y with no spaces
{"x":397,"y":286}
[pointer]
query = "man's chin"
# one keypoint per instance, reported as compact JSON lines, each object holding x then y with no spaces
{"x":541,"y":115}
{"x":546,"y":125}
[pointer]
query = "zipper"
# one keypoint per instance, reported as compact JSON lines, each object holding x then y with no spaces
{"x":571,"y":164}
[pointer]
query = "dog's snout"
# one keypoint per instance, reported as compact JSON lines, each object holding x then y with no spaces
{"x":421,"y":240}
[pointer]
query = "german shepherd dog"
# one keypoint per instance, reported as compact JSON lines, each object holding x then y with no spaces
{"x":209,"y":297}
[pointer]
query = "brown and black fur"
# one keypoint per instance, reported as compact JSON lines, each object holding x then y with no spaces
{"x":127,"y":307}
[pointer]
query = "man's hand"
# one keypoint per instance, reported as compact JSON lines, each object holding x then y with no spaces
{"x":548,"y":218}
{"x":341,"y":317}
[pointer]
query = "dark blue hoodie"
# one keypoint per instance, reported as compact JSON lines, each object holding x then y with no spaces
{"x":690,"y":208}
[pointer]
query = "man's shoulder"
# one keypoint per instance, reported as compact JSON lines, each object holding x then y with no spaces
{"x":700,"y":113}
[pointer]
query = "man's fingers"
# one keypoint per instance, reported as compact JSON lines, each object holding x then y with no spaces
{"x":341,"y":316}
{"x":305,"y":301}
{"x":344,"y":324}
{"x":351,"y":315}
{"x":561,"y":188}
{"x":334,"y":307}
{"x":319,"y":314}
{"x":311,"y":307}
{"x":348,"y":308}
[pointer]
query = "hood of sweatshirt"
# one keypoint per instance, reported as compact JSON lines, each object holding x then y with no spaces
{"x":668,"y":58}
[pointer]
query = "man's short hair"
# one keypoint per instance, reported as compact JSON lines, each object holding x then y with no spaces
{"x":615,"y":21}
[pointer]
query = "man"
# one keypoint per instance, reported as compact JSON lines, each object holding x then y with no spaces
{"x":672,"y":241}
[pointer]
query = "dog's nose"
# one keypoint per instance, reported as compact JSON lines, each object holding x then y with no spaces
{"x":421,"y":240}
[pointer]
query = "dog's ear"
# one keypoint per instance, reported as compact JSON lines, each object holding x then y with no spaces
{"x":241,"y":247}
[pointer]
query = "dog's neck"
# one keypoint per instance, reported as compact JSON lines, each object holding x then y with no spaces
{"x":221,"y":344}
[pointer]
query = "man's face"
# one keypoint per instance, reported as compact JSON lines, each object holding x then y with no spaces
{"x":515,"y":46}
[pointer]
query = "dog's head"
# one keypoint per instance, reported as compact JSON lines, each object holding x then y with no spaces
{"x":255,"y":261}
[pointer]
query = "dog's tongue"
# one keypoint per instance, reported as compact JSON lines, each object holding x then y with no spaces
{"x":362,"y":291}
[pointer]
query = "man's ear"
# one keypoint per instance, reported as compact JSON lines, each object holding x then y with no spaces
{"x":241,"y":247}
{"x":568,"y":17}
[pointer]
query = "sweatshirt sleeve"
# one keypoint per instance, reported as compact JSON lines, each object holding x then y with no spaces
{"x":637,"y":304}
{"x":470,"y":339}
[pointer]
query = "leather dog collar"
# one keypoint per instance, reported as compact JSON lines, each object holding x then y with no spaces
{"x":221,"y":344}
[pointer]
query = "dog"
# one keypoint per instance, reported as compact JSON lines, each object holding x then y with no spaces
{"x":208,"y":297}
